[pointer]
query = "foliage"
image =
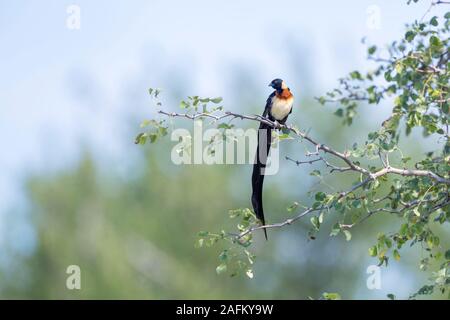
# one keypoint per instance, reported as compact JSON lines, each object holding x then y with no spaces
{"x":413,"y":75}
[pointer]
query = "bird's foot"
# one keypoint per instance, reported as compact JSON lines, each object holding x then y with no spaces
{"x":277,"y":124}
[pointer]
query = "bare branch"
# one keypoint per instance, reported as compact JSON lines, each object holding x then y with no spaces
{"x":303,"y":162}
{"x":322,"y":159}
{"x":280,"y":224}
{"x":418,"y":173}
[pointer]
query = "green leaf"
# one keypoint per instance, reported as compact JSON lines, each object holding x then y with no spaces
{"x":284,"y":136}
{"x":399,"y":67}
{"x":426,"y":290}
{"x":404,"y":229}
{"x":373,"y":251}
{"x":222,"y":268}
{"x":184,"y":105}
{"x":432,"y":241}
{"x":335,"y":230}
{"x":141,"y":138}
{"x":320,"y":196}
{"x":145,"y":123}
{"x":293,"y":207}
{"x":391,"y":296}
{"x":315,"y":222}
{"x":162,"y":131}
{"x":315,"y":173}
{"x":406,"y":159}
{"x":331,"y":296}
{"x":447,"y":255}
{"x":225,"y":126}
{"x":434,"y":41}
{"x":396,"y":255}
{"x":348,"y":235}
{"x":153,"y":137}
{"x":223,"y":256}
{"x":339,"y":112}
{"x":356,"y":204}
{"x":388,"y":242}
{"x":321,"y":217}
{"x":410,"y":35}
{"x":322,"y":100}
{"x":356,"y":75}
{"x":199,"y":243}
{"x":434,"y":21}
{"x":216,"y":100}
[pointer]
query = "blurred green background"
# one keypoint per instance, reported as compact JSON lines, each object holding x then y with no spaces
{"x":75,"y":190}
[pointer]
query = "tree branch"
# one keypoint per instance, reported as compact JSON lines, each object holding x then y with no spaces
{"x":319,"y":147}
{"x":280,"y":224}
{"x":387,"y":169}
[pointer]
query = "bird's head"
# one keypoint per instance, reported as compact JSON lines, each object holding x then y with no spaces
{"x":278,"y":84}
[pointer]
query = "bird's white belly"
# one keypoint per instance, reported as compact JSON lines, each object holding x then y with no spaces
{"x":281,"y":107}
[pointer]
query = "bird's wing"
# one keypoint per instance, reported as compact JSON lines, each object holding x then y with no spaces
{"x":268,"y":105}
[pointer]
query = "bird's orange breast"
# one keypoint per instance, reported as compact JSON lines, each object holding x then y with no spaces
{"x":285,"y":94}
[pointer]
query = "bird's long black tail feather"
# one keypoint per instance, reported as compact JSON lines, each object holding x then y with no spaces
{"x":262,"y":152}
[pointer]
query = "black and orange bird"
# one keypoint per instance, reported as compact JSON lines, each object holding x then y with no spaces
{"x":278,"y":107}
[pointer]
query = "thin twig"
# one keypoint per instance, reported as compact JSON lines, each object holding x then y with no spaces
{"x":280,"y":224}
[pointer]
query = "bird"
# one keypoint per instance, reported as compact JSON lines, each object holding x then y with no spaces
{"x":278,"y":107}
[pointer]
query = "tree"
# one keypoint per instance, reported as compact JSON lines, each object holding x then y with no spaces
{"x":412,"y":74}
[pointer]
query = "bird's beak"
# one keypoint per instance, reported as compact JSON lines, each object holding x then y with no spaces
{"x":270,"y":84}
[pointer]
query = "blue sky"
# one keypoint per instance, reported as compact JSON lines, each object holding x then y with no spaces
{"x":61,"y":87}
{"x":45,"y":106}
